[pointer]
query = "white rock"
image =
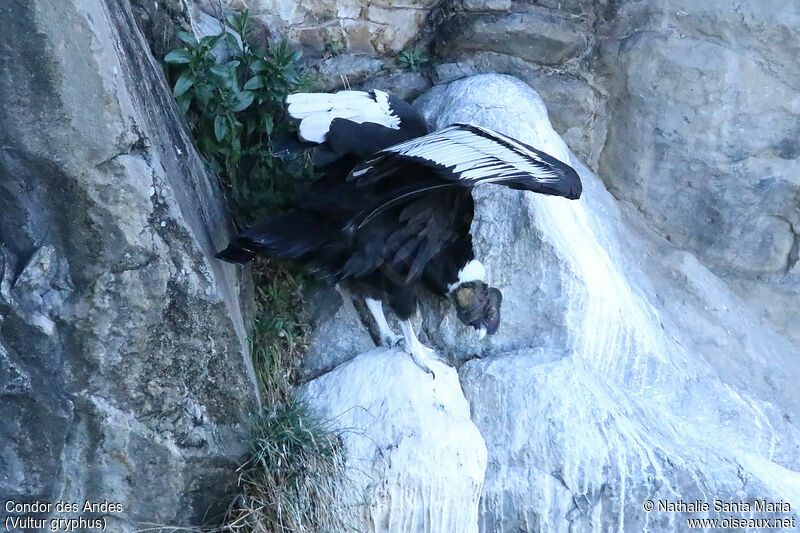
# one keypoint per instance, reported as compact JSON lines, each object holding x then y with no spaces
{"x":410,"y":441}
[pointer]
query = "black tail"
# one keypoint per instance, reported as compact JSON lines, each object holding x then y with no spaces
{"x":239,"y":251}
{"x":294,"y":235}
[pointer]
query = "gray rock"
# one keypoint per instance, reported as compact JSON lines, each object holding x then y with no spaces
{"x":401,"y":83}
{"x":161,"y":21}
{"x":344,"y":70}
{"x":383,"y":26}
{"x":623,"y":370}
{"x":447,"y":72}
{"x":337,"y":332}
{"x":703,"y":136}
{"x":124,"y":362}
{"x":487,"y":5}
{"x":576,"y":109}
{"x":538,"y":35}
{"x":584,"y":8}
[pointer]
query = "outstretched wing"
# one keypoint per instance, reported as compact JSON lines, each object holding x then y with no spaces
{"x":469,"y":155}
{"x":316,"y":111}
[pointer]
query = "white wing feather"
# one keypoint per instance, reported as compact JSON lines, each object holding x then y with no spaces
{"x":474,"y":157}
{"x":316,"y":111}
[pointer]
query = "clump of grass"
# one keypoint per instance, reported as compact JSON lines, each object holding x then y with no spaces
{"x":295,"y":471}
{"x":279,"y":339}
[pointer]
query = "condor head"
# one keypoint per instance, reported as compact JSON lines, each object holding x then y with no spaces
{"x":478,"y":305}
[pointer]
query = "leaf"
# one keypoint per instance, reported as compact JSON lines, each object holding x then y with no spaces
{"x":184,"y":82}
{"x":181,"y":55}
{"x":184,"y":102}
{"x":242,"y":101}
{"x":221,"y":127}
{"x":296,"y":56}
{"x":259,"y":65}
{"x":268,"y":124}
{"x":188,"y":38}
{"x":241,"y":23}
{"x":233,"y":42}
{"x":211,"y":41}
{"x":220,"y":70}
{"x":292,"y":77}
{"x":256,"y":82}
{"x":203,"y":94}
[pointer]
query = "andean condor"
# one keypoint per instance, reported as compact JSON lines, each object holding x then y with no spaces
{"x":393,"y":207}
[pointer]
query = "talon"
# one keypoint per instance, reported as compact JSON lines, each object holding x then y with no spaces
{"x":420,"y":363}
{"x":419,"y":352}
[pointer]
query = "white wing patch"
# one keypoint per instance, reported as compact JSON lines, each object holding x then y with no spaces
{"x":474,"y":153}
{"x":316,"y":111}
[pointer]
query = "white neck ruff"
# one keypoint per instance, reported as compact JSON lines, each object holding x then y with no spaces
{"x":472,"y":271}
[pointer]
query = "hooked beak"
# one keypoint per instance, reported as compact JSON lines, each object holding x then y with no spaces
{"x":481,"y":333}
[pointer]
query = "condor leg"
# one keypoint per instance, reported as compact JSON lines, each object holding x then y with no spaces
{"x":420,"y":353}
{"x":388,"y":336}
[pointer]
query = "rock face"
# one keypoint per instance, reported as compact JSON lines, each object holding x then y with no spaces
{"x":625,"y":370}
{"x":648,"y":349}
{"x":385,"y":26}
{"x":704,"y":107}
{"x":418,"y":460}
{"x":536,"y":34}
{"x":124,"y":365}
{"x":549,"y":45}
{"x":337,"y":332}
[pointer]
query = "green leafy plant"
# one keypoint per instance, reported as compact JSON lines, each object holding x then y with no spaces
{"x":232,"y":93}
{"x":332,"y":45}
{"x":412,"y":59}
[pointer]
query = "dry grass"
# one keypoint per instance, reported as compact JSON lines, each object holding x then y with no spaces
{"x":294,"y":478}
{"x":295,"y":475}
{"x":279,"y":337}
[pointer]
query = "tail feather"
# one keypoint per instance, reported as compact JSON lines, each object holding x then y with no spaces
{"x":295,"y":235}
{"x":238,"y":251}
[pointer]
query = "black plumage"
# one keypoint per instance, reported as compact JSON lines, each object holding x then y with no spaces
{"x":394,"y":207}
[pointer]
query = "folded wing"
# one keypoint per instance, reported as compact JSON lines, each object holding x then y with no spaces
{"x":316,"y":111}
